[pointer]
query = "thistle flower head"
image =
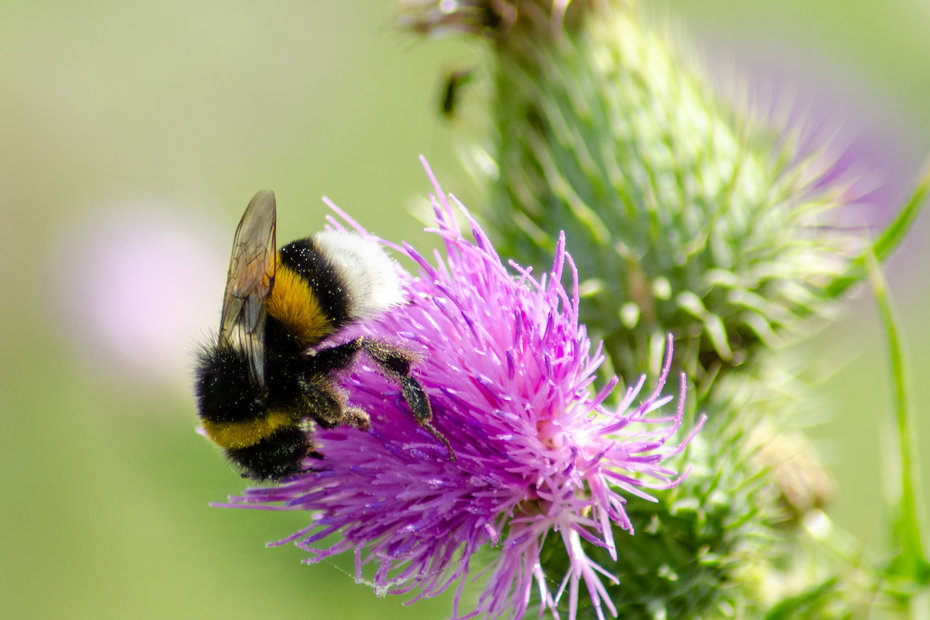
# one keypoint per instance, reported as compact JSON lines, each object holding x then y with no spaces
{"x":540,"y":454}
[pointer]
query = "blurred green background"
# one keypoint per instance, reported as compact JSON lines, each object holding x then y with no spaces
{"x":132,"y":136}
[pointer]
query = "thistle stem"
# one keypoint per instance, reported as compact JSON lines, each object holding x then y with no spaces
{"x":909,"y":568}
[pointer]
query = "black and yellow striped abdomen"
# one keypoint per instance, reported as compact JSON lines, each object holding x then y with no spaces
{"x":267,"y":442}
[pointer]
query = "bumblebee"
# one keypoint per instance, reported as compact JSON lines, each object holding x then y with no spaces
{"x":269,"y":374}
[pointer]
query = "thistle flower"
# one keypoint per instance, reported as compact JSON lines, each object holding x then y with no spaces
{"x":541,"y":455}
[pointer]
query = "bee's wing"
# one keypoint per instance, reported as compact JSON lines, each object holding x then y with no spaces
{"x":251,"y":275}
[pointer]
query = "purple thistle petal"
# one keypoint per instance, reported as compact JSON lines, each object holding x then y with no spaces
{"x":510,"y":374}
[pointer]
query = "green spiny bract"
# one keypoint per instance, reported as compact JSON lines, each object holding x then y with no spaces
{"x":696,"y":222}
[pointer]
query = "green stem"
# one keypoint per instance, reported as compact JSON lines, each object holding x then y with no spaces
{"x":910,"y":567}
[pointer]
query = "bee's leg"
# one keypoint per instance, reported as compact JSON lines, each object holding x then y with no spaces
{"x":353,"y":416}
{"x":339,"y":357}
{"x":395,"y":363}
{"x":392,"y":361}
{"x":326,"y":404}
